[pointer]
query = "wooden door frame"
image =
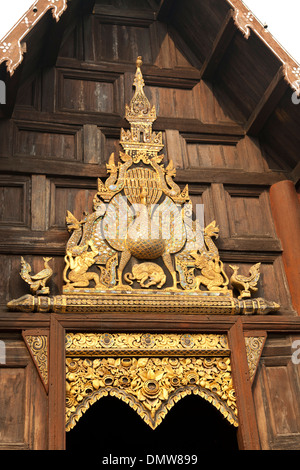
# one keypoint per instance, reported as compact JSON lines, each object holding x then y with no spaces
{"x":248,"y":436}
{"x":57,"y":396}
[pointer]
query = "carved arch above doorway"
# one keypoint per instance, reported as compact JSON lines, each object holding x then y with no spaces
{"x":149,"y":372}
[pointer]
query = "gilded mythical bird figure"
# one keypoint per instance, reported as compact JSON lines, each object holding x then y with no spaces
{"x":245,"y":284}
{"x":146,"y":234}
{"x":37,"y":282}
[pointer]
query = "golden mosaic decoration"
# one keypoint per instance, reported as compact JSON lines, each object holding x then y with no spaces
{"x":148,"y":372}
{"x":151,"y":344}
{"x":140,"y":249}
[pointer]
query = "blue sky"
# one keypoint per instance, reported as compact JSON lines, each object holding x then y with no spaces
{"x":281,"y":16}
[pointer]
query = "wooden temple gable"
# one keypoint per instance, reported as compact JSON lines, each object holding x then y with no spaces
{"x":222,"y":89}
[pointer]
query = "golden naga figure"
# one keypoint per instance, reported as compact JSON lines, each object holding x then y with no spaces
{"x":141,"y":248}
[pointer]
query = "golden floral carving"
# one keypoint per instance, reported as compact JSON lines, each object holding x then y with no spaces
{"x":150,"y":385}
{"x":149,"y":372}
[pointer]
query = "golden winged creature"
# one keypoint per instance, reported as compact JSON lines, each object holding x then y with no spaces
{"x":245,"y":284}
{"x":148,"y":233}
{"x":37,"y":282}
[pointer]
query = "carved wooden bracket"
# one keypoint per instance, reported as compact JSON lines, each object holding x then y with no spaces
{"x":37,"y":342}
{"x":254,"y":342}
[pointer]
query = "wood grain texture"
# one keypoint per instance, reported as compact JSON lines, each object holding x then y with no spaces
{"x":286,"y":213}
{"x":275,"y":392}
{"x":248,"y":436}
{"x":23,"y":400}
{"x":57,"y":397}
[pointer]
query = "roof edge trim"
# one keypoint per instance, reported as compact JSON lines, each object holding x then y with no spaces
{"x":246,"y":21}
{"x":12,"y":46}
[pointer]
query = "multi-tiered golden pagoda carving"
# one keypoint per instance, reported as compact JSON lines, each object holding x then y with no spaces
{"x":140,"y":249}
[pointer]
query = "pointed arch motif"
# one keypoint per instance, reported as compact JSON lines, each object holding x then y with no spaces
{"x":150,"y":373}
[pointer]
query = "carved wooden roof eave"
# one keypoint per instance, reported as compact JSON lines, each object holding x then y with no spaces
{"x":247,"y":22}
{"x":12,"y":45}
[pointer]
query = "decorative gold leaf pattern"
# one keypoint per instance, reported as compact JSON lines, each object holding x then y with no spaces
{"x":254,"y":346}
{"x":149,"y":372}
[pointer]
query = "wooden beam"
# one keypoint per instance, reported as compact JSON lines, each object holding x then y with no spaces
{"x":248,"y":437}
{"x":57,"y":400}
{"x":72,"y":169}
{"x":137,"y":17}
{"x":267,"y":104}
{"x":229,"y":176}
{"x":53,"y":242}
{"x":279,"y":324}
{"x":219,"y":47}
{"x":114,"y":120}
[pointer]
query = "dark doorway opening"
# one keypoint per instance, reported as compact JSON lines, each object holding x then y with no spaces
{"x":110,"y":426}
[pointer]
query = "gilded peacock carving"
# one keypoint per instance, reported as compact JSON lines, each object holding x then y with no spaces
{"x":37,"y":282}
{"x":245,"y":284}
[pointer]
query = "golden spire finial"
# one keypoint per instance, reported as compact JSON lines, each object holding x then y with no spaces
{"x":139,"y":62}
{"x":141,"y":116}
{"x":138,"y":79}
{"x":140,"y":107}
